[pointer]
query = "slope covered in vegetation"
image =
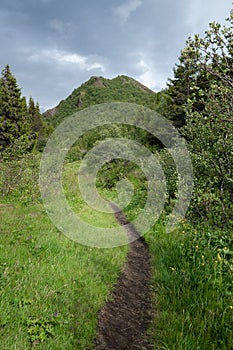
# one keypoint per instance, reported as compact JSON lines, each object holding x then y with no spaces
{"x":100,"y":90}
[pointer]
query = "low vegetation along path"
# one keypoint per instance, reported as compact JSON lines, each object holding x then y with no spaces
{"x":124,"y":319}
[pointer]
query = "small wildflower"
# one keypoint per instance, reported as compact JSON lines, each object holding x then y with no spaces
{"x":231,"y":307}
{"x":219,"y":257}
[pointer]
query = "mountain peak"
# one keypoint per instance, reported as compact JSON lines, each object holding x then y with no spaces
{"x":96,"y":81}
{"x":99,"y":90}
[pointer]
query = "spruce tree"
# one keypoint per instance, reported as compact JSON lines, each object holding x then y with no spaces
{"x":35,"y":116}
{"x":39,"y":127}
{"x":189,"y":78}
{"x":14,"y":122}
{"x":37,"y":124}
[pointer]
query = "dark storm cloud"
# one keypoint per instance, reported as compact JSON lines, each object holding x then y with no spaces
{"x":54,"y":46}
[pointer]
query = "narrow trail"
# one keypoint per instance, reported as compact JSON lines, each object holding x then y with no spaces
{"x":124,"y":320}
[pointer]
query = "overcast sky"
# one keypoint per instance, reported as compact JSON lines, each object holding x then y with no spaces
{"x":53,"y":46}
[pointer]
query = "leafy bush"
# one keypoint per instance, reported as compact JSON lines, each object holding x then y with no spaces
{"x":19,"y":171}
{"x":39,"y":329}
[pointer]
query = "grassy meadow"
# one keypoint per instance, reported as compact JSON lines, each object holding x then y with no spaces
{"x":52,"y":288}
{"x":192,"y":284}
{"x":192,"y":281}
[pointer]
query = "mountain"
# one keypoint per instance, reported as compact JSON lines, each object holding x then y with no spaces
{"x":100,"y":90}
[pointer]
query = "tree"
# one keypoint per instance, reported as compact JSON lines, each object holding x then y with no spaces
{"x":39,"y":128}
{"x":188,"y":77}
{"x":35,"y":117}
{"x":14,"y":121}
{"x":209,"y":129}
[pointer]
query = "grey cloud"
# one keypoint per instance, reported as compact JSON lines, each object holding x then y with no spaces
{"x":54,"y":46}
{"x":127,"y":8}
{"x":66,"y":30}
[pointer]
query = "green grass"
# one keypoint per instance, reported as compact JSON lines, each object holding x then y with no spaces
{"x":77,"y":203}
{"x":192,"y":283}
{"x":51,"y":288}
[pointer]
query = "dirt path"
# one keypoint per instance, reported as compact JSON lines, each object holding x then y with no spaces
{"x":124,"y":320}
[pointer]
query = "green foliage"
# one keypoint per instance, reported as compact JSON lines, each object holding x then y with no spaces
{"x":17,"y":120}
{"x":209,"y":131}
{"x":116,"y":170}
{"x":170,"y":172}
{"x":192,"y":277}
{"x":40,"y":329}
{"x":202,"y":62}
{"x":199,"y":99}
{"x":35,"y":117}
{"x":39,"y":127}
{"x":188,"y":79}
{"x":18,"y":148}
{"x":19,"y":171}
{"x":13,"y":110}
{"x":211,"y":143}
{"x":92,"y":137}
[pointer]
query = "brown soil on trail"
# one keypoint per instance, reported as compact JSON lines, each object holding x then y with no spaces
{"x":124,"y":319}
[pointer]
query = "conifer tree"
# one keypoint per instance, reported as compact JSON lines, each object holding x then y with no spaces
{"x":14,"y":122}
{"x":39,"y":128}
{"x":36,"y":121}
{"x":189,"y":78}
